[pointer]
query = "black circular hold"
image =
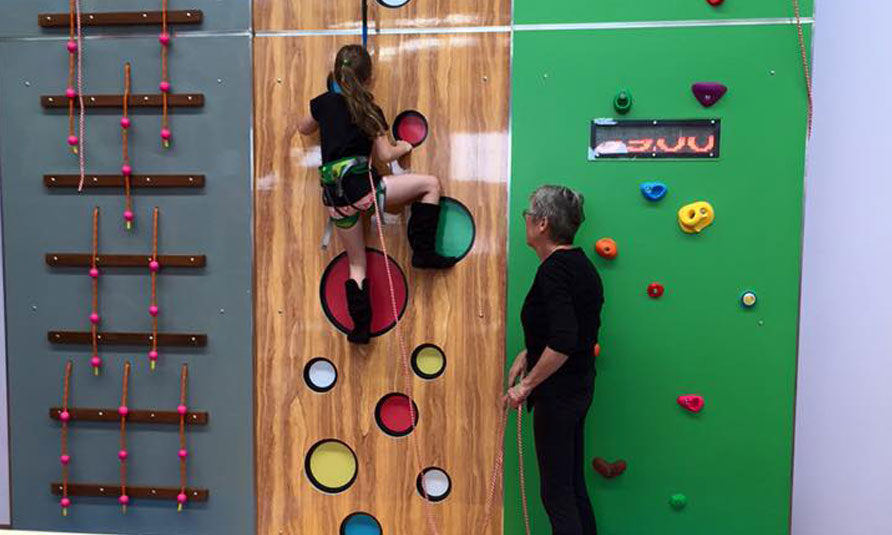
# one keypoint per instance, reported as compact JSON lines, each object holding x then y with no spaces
{"x":411,"y":126}
{"x":393,"y":416}
{"x":320,"y":374}
{"x":439,"y":484}
{"x":393,"y":4}
{"x":428,"y":361}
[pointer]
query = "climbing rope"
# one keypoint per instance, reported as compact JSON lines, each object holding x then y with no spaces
{"x":805,"y":69}
{"x":80,"y":96}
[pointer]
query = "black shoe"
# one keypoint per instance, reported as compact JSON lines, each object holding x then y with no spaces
{"x":360,"y":307}
{"x":423,"y":236}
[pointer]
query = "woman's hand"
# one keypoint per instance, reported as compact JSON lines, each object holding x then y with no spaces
{"x":518,"y":369}
{"x":517,"y":395}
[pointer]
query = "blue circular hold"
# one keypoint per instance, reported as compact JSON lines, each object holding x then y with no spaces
{"x":360,"y":524}
{"x":654,"y":191}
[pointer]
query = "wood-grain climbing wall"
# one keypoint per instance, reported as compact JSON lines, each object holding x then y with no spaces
{"x":460,"y":82}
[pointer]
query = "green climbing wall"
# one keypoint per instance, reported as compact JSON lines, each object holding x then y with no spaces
{"x":733,"y":460}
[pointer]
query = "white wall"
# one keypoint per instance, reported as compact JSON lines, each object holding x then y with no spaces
{"x":842,"y":481}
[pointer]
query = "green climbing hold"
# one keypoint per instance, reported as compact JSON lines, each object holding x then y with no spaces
{"x":622,"y":102}
{"x":678,"y":501}
{"x":455,"y":230}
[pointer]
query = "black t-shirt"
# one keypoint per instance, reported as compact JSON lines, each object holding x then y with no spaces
{"x":341,"y":137}
{"x":563,"y":311}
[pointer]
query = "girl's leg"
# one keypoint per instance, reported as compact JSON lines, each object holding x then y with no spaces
{"x":357,"y":287}
{"x":403,"y":189}
{"x":354,"y":243}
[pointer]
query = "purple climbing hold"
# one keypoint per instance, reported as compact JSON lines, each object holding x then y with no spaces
{"x":708,"y":93}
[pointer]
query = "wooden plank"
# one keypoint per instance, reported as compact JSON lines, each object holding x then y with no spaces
{"x":113,"y":490}
{"x":174,"y":100}
{"x":121,"y":18}
{"x":117,"y":181}
{"x":125,"y":260}
{"x":127,"y":339}
{"x":133,"y":416}
{"x":461,"y":83}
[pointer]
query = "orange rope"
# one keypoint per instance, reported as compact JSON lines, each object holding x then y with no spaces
{"x":65,"y":458}
{"x":154,"y":299}
{"x":71,"y":65}
{"x":805,"y":68}
{"x":523,"y":490}
{"x":124,"y":434}
{"x":94,"y":335}
{"x":164,"y":74}
{"x":184,"y":373}
{"x":128,"y":205}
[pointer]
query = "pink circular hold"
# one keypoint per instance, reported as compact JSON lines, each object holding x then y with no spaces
{"x":154,"y":266}
{"x":153,"y":355}
{"x":70,"y":92}
{"x":65,"y":416}
{"x":126,"y":170}
{"x":72,"y":46}
{"x":124,"y":499}
{"x":128,"y":215}
{"x":164,"y":38}
{"x":164,"y":86}
{"x":65,"y":459}
{"x":65,"y":502}
{"x":73,"y":140}
{"x":412,"y":128}
{"x":94,"y":318}
{"x":181,"y":409}
{"x":96,"y":362}
{"x":94,"y":273}
{"x":123,"y":410}
{"x":125,"y":122}
{"x":122,"y":455}
{"x":153,"y":311}
{"x":181,"y":498}
{"x":165,"y":134}
{"x":182,"y":454}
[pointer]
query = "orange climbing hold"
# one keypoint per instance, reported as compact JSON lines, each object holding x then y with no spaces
{"x":606,"y":248}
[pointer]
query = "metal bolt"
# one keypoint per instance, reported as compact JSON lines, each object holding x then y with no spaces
{"x":761,"y":323}
{"x":34,"y":308}
{"x":278,"y":80}
{"x":771,"y":72}
{"x":545,"y":75}
{"x":280,"y":311}
{"x":27,"y":83}
{"x":222,"y":311}
{"x":485,"y":78}
{"x":219,"y":80}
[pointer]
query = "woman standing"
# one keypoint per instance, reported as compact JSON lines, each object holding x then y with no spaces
{"x":560,"y":317}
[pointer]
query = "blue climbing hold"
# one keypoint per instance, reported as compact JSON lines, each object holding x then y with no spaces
{"x":654,"y":191}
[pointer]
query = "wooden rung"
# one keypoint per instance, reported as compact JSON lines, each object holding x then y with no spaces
{"x":125,"y":260}
{"x":174,"y":100}
{"x":133,"y":416}
{"x":132,"y":18}
{"x":117,"y":181}
{"x":113,"y":490}
{"x":127,"y":339}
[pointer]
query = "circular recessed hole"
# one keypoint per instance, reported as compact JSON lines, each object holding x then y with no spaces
{"x":436,"y":484}
{"x":410,"y":126}
{"x":320,"y":374}
{"x":393,"y":415}
{"x":393,"y":4}
{"x":428,"y":361}
{"x":455,"y":229}
{"x":331,"y":466}
{"x":360,"y":523}
{"x":334,"y":295}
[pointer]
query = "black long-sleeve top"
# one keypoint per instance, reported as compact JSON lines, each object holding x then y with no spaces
{"x":563,"y":311}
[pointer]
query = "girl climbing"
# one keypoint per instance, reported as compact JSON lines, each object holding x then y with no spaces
{"x":353,"y":132}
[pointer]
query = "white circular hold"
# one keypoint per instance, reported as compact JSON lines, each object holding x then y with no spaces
{"x":321,"y":375}
{"x":393,"y":3}
{"x":436,"y":483}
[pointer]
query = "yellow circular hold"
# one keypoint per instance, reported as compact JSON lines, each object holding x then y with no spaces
{"x":331,"y":466}
{"x":428,"y":361}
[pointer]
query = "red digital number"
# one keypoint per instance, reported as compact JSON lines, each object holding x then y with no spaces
{"x":679,"y":144}
{"x":692,"y":144}
{"x":639,"y":145}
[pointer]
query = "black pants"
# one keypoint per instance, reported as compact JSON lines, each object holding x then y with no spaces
{"x":559,"y":428}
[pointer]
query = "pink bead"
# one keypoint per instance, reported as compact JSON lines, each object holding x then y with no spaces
{"x":72,"y":46}
{"x":164,"y":86}
{"x":153,"y":311}
{"x":165,"y":134}
{"x":64,"y":416}
{"x":181,"y":498}
{"x":154,"y":266}
{"x":164,"y":38}
{"x":96,"y":362}
{"x":125,"y":122}
{"x":181,"y":409}
{"x":153,"y":355}
{"x":65,"y":459}
{"x":94,"y":318}
{"x":126,"y":170}
{"x":65,"y":502}
{"x":73,"y":140}
{"x":122,"y":455}
{"x":123,"y":410}
{"x":94,"y":273}
{"x":128,"y":215}
{"x":70,"y":92}
{"x":182,"y":454}
{"x":124,"y":499}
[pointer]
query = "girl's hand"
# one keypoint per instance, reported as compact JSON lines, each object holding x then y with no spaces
{"x":404,"y":146}
{"x":518,"y":369}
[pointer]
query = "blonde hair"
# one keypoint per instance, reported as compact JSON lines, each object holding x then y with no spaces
{"x":352,"y":71}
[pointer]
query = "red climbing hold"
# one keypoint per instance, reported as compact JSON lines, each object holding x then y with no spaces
{"x":708,"y":93}
{"x":715,"y":2}
{"x":606,"y":248}
{"x":655,"y":290}
{"x":609,"y":470}
{"x":693,"y":403}
{"x":597,"y":350}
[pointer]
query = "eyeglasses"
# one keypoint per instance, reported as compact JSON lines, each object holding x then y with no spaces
{"x":527,"y":212}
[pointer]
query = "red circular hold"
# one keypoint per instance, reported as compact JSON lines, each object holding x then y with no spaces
{"x":393,"y":415}
{"x":597,"y":350}
{"x":334,"y":295}
{"x":715,"y":2}
{"x":655,"y":290}
{"x":410,"y":126}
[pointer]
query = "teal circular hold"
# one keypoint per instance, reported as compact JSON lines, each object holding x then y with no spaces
{"x":360,"y":524}
{"x":622,"y":102}
{"x":678,"y":501}
{"x":456,"y":230}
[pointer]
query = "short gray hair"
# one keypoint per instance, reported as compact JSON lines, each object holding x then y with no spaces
{"x":562,"y":208}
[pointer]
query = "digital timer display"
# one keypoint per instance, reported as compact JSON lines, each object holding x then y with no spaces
{"x":632,"y":139}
